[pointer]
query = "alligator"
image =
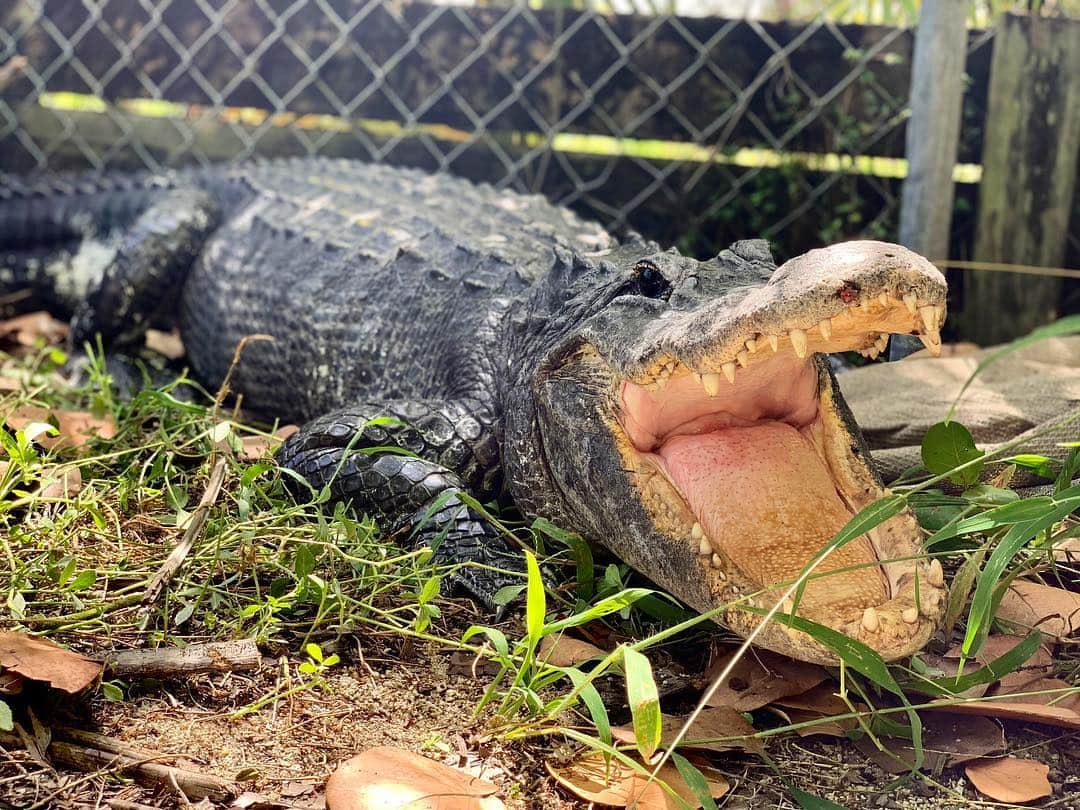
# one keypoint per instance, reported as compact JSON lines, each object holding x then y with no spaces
{"x":679,"y":413}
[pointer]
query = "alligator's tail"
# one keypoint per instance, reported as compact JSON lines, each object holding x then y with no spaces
{"x":55,"y":234}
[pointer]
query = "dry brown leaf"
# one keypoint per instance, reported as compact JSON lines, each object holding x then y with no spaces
{"x":815,"y":704}
{"x":38,"y":659}
{"x":565,"y":651}
{"x":617,"y":785}
{"x":61,"y":482}
{"x":1052,"y":611}
{"x":76,"y":428}
{"x":714,"y":723}
{"x":1052,"y":686}
{"x":1010,"y":779}
{"x":1067,"y":551}
{"x":1014,"y":710}
{"x":948,"y":740}
{"x":254,"y":448}
{"x":9,"y":384}
{"x":167,"y":344}
{"x":761,"y":677}
{"x":25,"y":330}
{"x":387,"y":777}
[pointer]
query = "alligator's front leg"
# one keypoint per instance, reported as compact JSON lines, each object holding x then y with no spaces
{"x":450,"y":449}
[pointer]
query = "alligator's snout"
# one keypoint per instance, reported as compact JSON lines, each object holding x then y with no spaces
{"x":747,"y":460}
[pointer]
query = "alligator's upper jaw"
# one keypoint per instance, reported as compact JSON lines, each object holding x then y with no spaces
{"x":750,"y":458}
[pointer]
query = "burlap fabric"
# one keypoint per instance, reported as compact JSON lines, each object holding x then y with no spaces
{"x":1024,"y":393}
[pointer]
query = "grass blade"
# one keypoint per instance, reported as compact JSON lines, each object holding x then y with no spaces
{"x":644,"y":700}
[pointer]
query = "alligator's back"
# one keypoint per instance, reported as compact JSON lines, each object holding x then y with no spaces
{"x":373,"y":281}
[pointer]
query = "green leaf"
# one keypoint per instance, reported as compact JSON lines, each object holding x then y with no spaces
{"x":593,"y":702}
{"x":430,"y":588}
{"x":496,"y":636}
{"x":315,"y":651}
{"x":535,"y":599}
{"x":6,"y":721}
{"x":949,"y":445}
{"x":993,"y":671}
{"x":808,"y":801}
{"x":83,"y":581}
{"x":695,"y":780}
{"x":984,"y":493}
{"x":112,"y":691}
{"x":644,"y":700}
{"x":183,"y":614}
{"x":1007,"y":548}
{"x":304,"y":563}
{"x":606,"y":606}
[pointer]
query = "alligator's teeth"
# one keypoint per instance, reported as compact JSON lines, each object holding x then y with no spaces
{"x":935,"y":576}
{"x":717,"y":561}
{"x":742,"y":358}
{"x":751,"y":345}
{"x":883,"y":299}
{"x":729,"y":371}
{"x":704,"y":548}
{"x":940,"y":314}
{"x":870,"y":621}
{"x":882,"y":342}
{"x":932,"y":342}
{"x":929,"y":318}
{"x":696,"y":531}
{"x":910,"y":615}
{"x":826,"y":328}
{"x":774,"y":342}
{"x":711,"y":384}
{"x":798,"y":342}
{"x":911,"y":301}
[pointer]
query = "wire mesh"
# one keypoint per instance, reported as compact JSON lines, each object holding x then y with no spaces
{"x":690,"y":130}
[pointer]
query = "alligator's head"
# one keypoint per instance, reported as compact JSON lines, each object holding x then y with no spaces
{"x":683,"y":415}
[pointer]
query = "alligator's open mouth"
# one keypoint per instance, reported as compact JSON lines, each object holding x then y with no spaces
{"x":748,"y":457}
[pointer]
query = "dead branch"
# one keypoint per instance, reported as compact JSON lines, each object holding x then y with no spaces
{"x":170,"y":662}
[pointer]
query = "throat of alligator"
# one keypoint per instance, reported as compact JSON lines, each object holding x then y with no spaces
{"x":752,"y":467}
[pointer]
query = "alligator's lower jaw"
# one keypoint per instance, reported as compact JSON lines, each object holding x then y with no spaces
{"x":756,"y":479}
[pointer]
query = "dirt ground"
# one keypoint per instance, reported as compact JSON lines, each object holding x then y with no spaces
{"x":398,"y":693}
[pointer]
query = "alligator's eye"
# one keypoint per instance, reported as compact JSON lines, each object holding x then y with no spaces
{"x":650,"y":281}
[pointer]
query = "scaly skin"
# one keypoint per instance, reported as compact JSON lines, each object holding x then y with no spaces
{"x":493,"y":329}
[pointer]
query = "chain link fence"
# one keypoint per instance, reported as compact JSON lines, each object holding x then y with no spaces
{"x":694,"y":131}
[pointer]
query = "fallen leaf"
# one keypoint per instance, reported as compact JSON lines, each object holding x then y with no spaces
{"x":948,"y":740}
{"x":707,"y":732}
{"x":1067,"y":551}
{"x":1027,"y":692}
{"x":387,"y":777}
{"x":75,"y":428}
{"x":616,"y":784}
{"x":38,"y":659}
{"x":254,"y":448}
{"x":816,"y":704}
{"x":61,"y":482}
{"x":566,"y":651}
{"x":1010,"y":779}
{"x":25,"y":330}
{"x":1014,"y":710}
{"x":759,"y":678}
{"x":1054,"y":612}
{"x":167,"y":344}
{"x":10,"y":384}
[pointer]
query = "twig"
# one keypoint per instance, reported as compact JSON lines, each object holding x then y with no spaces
{"x":179,"y":554}
{"x":87,"y":751}
{"x":218,"y":656}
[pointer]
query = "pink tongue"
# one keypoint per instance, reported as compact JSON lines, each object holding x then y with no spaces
{"x":764,"y":496}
